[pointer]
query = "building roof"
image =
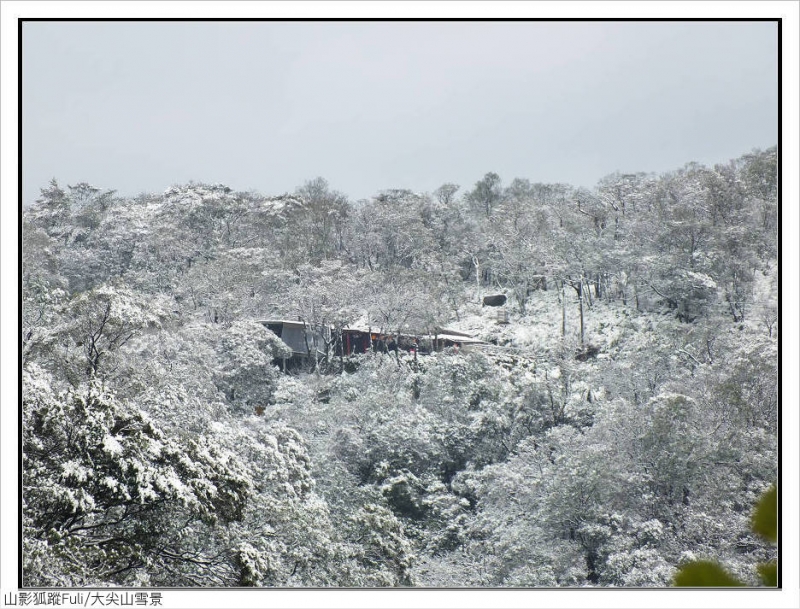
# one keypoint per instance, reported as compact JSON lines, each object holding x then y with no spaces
{"x":286,"y":322}
{"x":442,"y":331}
{"x":456,"y":338}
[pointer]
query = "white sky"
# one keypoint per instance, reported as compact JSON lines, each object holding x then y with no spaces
{"x":138,"y":106}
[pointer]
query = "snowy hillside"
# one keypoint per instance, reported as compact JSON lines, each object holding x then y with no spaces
{"x":614,"y":420}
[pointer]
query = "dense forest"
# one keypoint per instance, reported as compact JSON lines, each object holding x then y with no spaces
{"x":622,"y":423}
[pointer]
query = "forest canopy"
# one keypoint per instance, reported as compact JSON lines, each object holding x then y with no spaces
{"x":617,"y":421}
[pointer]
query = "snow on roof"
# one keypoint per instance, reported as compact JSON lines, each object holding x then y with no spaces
{"x":456,"y":338}
{"x":287,"y":322}
{"x":357,"y":328}
{"x":448,"y":331}
{"x":441,"y":333}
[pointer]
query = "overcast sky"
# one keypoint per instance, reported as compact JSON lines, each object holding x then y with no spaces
{"x":139,"y":106}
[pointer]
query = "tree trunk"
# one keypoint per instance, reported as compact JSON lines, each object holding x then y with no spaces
{"x":341,"y":353}
{"x":477,"y":277}
{"x":580,"y":306}
{"x":563,"y":311}
{"x":591,"y":566}
{"x":587,"y":291}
